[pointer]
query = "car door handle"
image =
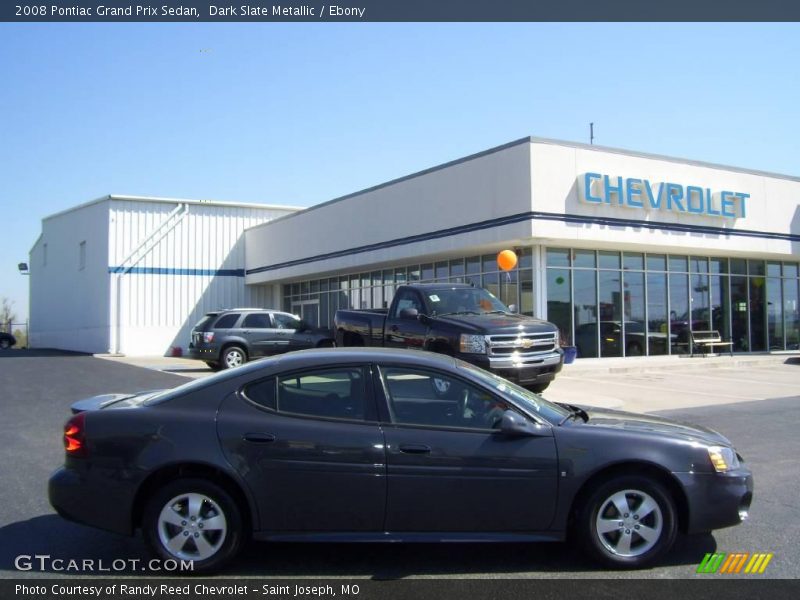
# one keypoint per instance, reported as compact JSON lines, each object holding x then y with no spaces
{"x":259,"y":438}
{"x":415,"y":449}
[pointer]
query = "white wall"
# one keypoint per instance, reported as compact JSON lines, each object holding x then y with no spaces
{"x":557,"y":169}
{"x":69,"y":305}
{"x":194,"y":263}
{"x":487,"y":186}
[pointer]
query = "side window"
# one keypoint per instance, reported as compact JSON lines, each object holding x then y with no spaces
{"x":257,"y":321}
{"x":226,"y":321}
{"x":407,"y":299}
{"x":337,"y":393}
{"x":284,"y":321}
{"x":262,"y":393}
{"x":418,"y":397}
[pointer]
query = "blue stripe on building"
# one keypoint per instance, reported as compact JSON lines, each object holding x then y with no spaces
{"x":174,"y":271}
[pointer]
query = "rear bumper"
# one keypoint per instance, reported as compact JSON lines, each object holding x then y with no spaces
{"x":97,"y":504}
{"x":717,"y":500}
{"x":207,"y":353}
{"x":538,"y":369}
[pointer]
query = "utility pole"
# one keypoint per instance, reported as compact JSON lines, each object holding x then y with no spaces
{"x":591,"y":133}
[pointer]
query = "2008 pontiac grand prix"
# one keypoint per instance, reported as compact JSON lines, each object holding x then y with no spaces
{"x":388,"y":445}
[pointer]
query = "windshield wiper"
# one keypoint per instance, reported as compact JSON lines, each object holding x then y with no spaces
{"x":458,"y":312}
{"x":574,"y":411}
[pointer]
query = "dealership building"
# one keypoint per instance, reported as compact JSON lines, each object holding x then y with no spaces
{"x":611,"y":244}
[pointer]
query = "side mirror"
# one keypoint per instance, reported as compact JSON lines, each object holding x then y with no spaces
{"x":409,"y":313}
{"x":515,"y":424}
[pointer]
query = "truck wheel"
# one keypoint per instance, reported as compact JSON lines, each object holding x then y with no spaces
{"x":233,"y":356}
{"x":628,"y":522}
{"x":193,"y":519}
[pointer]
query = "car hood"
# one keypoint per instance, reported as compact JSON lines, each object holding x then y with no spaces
{"x":113,"y":401}
{"x":617,"y":419}
{"x":497,"y":323}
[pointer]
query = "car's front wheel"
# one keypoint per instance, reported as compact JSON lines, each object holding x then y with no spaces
{"x":193,"y":520}
{"x":628,"y":522}
{"x":233,"y":356}
{"x":5,"y":344}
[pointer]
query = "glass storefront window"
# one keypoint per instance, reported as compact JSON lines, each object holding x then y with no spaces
{"x":585,"y":312}
{"x":610,"y":307}
{"x":700,"y":299}
{"x":656,"y":262}
{"x":559,"y":303}
{"x":758,"y":313}
{"x":608,"y":260}
{"x":442,"y":271}
{"x":720,"y":306}
{"x":489,"y":262}
{"x":738,"y":266}
{"x":633,"y":261}
{"x":633,"y":309}
{"x":526,"y":292}
{"x":790,"y":269}
{"x":678,"y":264}
{"x":583,"y":259}
{"x":473,"y":265}
{"x":525,"y":258}
{"x":557,"y":257}
{"x":698,"y":264}
{"x":791,"y":313}
{"x":740,"y":331}
{"x":658,"y":335}
{"x":427,"y":272}
{"x":774,"y":314}
{"x":456,"y":268}
{"x":756,"y":267}
{"x":680,"y":320}
{"x":773,"y":269}
{"x":719,"y":265}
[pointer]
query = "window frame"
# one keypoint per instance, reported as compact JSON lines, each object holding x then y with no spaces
{"x":386,"y":414}
{"x":370,"y":408}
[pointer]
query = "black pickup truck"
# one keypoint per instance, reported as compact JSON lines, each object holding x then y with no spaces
{"x":463,"y":321}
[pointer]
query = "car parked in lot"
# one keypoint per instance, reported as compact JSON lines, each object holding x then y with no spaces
{"x":387,"y":445}
{"x":7,"y":340}
{"x":230,"y":338}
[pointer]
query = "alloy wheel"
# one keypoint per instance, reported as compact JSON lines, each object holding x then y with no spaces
{"x":629,"y":523}
{"x":192,"y":526}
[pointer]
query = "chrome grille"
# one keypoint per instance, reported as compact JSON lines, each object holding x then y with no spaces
{"x":523,"y":344}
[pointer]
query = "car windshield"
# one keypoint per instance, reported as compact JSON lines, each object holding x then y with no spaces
{"x":463,"y":300}
{"x":533,"y":403}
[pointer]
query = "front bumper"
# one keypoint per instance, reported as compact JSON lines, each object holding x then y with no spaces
{"x":531,"y":369}
{"x":88,"y":501}
{"x":717,"y":500}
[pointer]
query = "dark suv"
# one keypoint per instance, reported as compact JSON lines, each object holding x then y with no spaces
{"x":229,"y":338}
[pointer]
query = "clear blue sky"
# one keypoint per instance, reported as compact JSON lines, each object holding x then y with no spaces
{"x":302,"y":113}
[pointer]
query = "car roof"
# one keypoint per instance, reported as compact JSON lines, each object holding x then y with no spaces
{"x":442,"y":285}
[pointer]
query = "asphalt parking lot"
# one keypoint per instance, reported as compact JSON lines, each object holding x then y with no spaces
{"x":756,"y":405}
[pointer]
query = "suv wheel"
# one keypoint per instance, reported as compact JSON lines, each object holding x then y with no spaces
{"x":628,"y":522}
{"x":193,"y":519}
{"x":538,"y":388}
{"x":233,"y":356}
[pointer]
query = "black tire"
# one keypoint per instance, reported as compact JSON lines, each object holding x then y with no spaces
{"x":214,"y":366}
{"x":326,"y":344}
{"x":633,"y":349}
{"x":5,"y":344}
{"x":232,"y":356}
{"x":637,"y":493}
{"x":538,"y":388}
{"x":225,"y":544}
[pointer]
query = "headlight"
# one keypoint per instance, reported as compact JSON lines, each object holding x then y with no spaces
{"x":723,"y":458}
{"x":473,"y":344}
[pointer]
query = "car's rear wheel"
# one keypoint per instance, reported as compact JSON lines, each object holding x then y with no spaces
{"x":628,"y":522}
{"x":193,"y":519}
{"x":233,"y":356}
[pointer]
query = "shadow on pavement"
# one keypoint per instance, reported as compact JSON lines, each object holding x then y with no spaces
{"x":37,"y":353}
{"x":59,"y":539}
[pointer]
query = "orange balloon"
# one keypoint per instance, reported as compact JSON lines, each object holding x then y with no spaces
{"x":507,"y":260}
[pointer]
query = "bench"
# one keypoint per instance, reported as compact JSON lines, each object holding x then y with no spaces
{"x":705,"y":341}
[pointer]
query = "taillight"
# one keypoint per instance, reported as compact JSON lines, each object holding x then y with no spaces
{"x":208,"y":337}
{"x":75,"y":436}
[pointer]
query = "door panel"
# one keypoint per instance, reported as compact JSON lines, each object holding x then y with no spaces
{"x":309,"y":474}
{"x":449,"y":467}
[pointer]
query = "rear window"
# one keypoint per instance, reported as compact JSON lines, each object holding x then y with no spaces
{"x":205,"y":321}
{"x":226,"y":321}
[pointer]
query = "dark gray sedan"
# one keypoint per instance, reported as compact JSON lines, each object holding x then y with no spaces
{"x":388,"y":445}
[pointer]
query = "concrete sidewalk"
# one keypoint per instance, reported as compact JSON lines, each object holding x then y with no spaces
{"x":638,"y":384}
